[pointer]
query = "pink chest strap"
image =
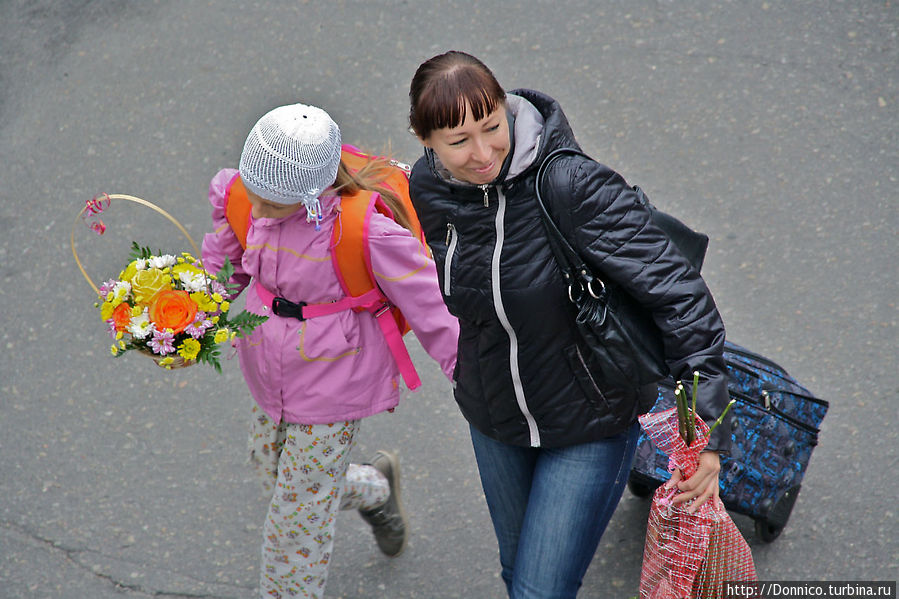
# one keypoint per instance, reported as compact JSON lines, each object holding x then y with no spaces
{"x":372,"y":301}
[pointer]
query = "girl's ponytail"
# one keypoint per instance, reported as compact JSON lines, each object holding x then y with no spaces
{"x":370,"y":178}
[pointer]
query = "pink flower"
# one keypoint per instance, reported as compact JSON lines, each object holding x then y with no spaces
{"x":162,"y":342}
{"x":199,"y":326}
{"x":107,"y":286}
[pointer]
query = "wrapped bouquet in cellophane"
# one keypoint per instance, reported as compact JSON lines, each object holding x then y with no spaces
{"x":688,"y":555}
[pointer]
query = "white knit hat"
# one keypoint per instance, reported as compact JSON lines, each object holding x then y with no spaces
{"x":291,"y":155}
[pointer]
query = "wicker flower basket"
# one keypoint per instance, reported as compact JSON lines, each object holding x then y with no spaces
{"x":173,"y":361}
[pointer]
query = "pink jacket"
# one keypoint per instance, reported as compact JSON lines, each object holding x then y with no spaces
{"x":329,"y":368}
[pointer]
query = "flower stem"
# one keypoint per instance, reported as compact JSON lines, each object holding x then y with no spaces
{"x":721,"y":417}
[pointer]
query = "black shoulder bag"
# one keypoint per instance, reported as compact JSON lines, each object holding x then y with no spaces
{"x":622,"y":337}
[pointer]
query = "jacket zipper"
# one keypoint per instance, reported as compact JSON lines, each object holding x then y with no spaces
{"x":596,"y":388}
{"x":486,"y":195}
{"x":452,"y":238}
{"x":533,"y":432}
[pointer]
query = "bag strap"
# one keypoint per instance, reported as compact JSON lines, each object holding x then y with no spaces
{"x":692,"y":244}
{"x":574,"y":269}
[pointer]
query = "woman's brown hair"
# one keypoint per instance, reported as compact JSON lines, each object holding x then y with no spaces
{"x":371,"y":178}
{"x":445,"y":86}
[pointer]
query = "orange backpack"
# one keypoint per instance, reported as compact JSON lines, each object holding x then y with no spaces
{"x":349,"y":255}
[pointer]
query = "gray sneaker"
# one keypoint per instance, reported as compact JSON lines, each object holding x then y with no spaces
{"x":388,"y":522}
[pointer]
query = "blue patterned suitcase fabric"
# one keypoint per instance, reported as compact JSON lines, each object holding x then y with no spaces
{"x":775,"y":424}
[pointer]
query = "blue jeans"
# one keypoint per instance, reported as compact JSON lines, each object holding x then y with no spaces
{"x":550,"y":506}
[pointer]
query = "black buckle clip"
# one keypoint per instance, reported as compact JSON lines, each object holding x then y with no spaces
{"x":288,"y":309}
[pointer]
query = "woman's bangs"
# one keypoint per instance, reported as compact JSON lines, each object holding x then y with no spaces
{"x":456,"y":94}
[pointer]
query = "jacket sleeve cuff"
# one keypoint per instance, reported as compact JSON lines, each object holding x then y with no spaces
{"x":712,"y":403}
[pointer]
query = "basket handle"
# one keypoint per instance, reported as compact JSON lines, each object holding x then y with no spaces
{"x":120,"y":196}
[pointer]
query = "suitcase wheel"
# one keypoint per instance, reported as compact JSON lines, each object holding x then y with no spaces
{"x":772,"y":524}
{"x":767,"y":531}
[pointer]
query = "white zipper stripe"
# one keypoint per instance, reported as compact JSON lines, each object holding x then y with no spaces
{"x":448,"y":261}
{"x":533,"y":433}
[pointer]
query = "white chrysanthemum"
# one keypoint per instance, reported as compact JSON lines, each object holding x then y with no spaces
{"x":140,"y":326}
{"x":192,"y":282}
{"x":121,"y":290}
{"x":140,"y":264}
{"x":162,"y":261}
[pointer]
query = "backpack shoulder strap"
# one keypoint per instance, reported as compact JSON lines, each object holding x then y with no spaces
{"x":349,"y":243}
{"x":237,"y":209}
{"x":351,"y":257}
{"x":352,"y":262}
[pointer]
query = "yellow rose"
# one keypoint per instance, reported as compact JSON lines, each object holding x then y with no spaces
{"x":147,"y":283}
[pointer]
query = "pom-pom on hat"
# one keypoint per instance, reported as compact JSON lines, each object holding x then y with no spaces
{"x":291,"y":155}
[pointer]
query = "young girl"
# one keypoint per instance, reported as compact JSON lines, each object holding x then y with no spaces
{"x":314,"y":379}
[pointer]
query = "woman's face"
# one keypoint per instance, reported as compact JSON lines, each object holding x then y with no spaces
{"x":474,"y":151}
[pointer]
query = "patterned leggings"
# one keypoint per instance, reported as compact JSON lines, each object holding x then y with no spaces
{"x":306,"y":469}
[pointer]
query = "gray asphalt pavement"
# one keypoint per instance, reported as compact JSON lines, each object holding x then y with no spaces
{"x":773,"y":126}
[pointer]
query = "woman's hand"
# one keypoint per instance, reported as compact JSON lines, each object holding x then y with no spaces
{"x":702,"y":485}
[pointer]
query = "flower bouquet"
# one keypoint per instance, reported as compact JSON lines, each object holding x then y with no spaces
{"x":167,"y":307}
{"x":688,"y":554}
{"x":172,"y":309}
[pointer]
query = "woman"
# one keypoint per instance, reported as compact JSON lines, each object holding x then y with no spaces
{"x":553,"y":441}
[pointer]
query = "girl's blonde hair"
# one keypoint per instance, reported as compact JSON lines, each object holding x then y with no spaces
{"x":371,"y":178}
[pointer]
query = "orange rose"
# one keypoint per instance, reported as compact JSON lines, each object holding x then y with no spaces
{"x":172,"y":310}
{"x":121,"y":316}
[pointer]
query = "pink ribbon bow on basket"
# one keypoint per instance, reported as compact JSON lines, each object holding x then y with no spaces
{"x":90,"y":214}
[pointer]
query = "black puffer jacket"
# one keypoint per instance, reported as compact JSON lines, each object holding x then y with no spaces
{"x":521,"y":376}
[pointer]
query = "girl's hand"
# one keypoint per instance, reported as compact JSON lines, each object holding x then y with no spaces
{"x":701,"y":486}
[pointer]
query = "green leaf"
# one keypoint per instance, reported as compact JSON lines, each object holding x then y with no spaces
{"x":245,"y":322}
{"x":210,"y":354}
{"x":142,"y":252}
{"x":225,"y":272}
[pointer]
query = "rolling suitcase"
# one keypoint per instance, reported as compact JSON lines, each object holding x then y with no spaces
{"x":775,"y":424}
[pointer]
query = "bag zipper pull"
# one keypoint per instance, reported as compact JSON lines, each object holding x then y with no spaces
{"x":486,"y":195}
